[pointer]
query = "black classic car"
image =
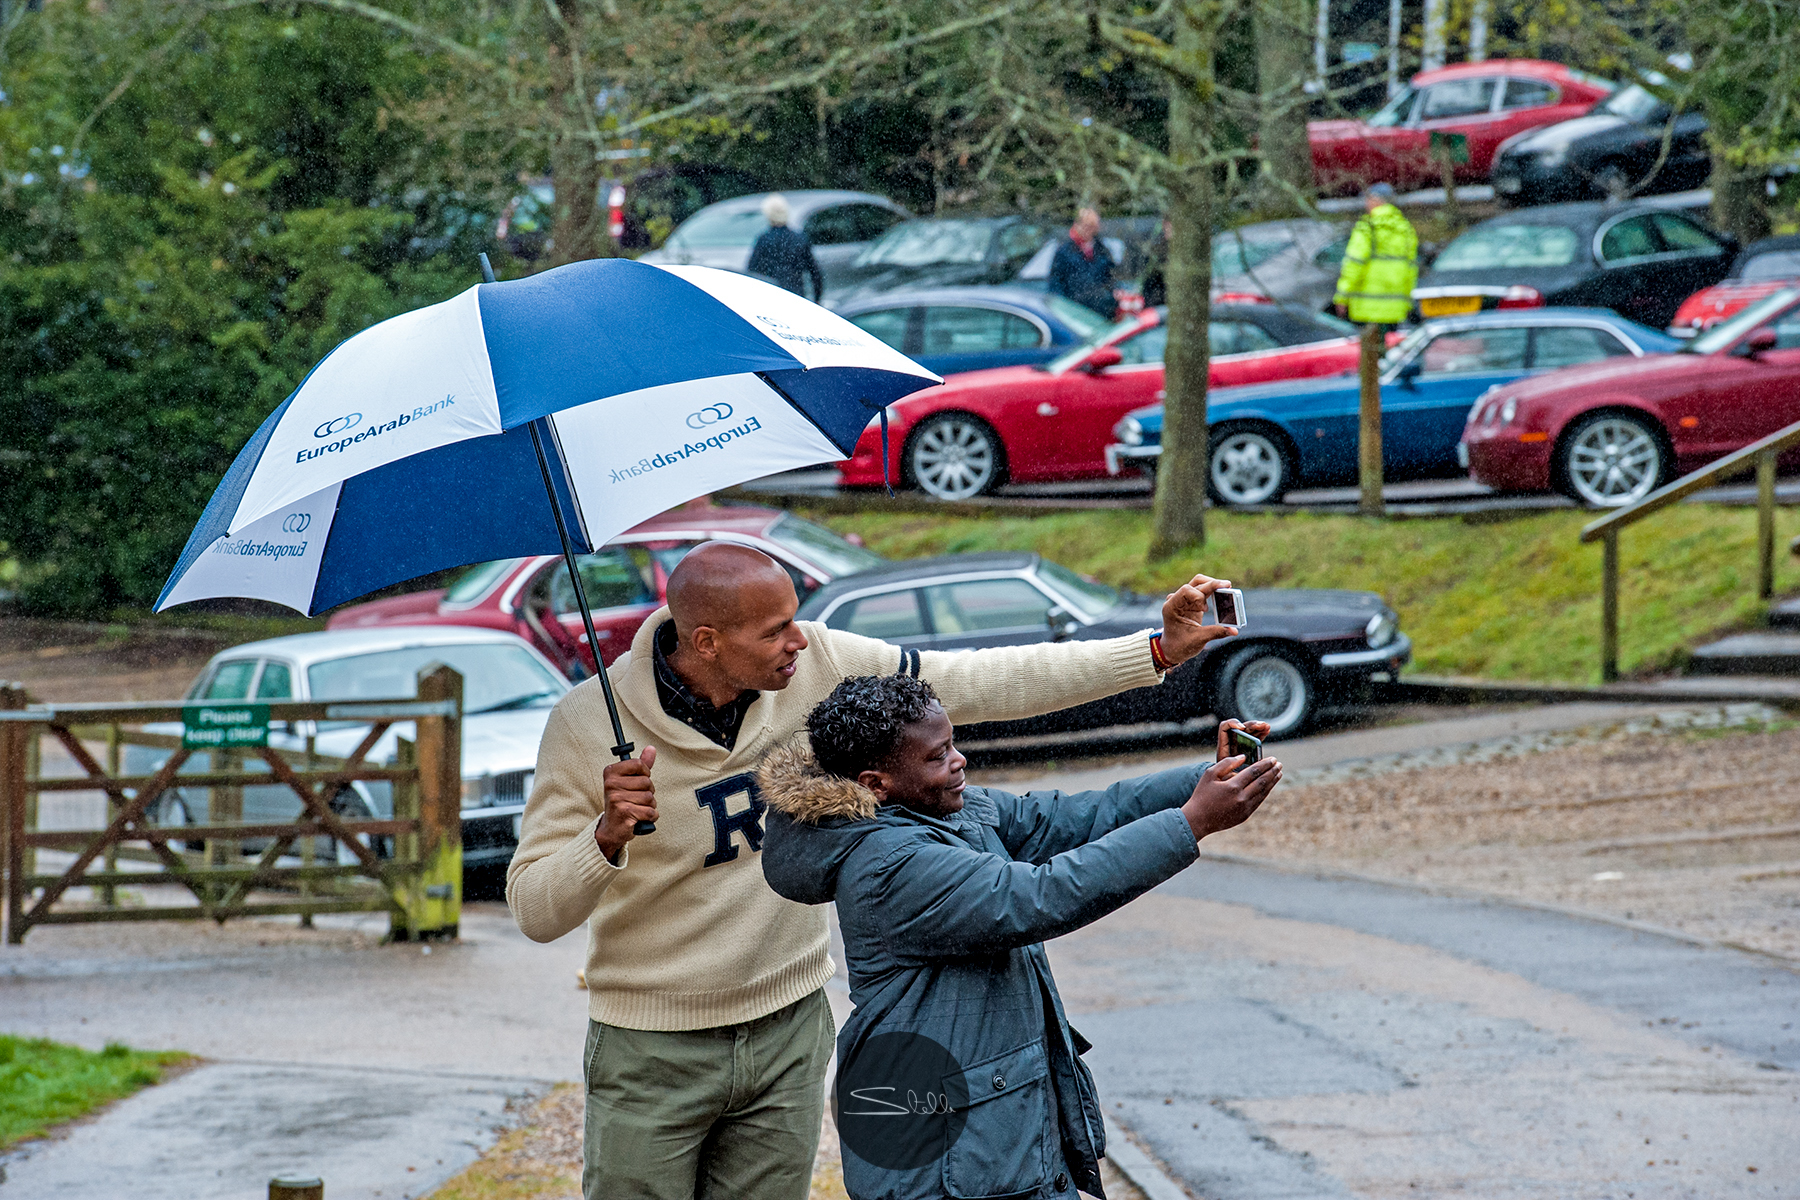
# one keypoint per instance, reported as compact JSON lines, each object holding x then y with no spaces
{"x":1614,"y":150}
{"x":1297,"y":647}
{"x":1638,"y":260}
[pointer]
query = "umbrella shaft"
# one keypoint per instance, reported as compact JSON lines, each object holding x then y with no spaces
{"x":624,"y":748}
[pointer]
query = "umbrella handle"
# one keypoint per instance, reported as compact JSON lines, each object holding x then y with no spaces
{"x":623,"y":750}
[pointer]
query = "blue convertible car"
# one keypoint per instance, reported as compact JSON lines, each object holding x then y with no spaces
{"x":1272,"y":438}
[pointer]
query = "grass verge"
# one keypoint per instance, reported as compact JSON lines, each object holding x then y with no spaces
{"x":43,"y":1083}
{"x":1510,"y":599}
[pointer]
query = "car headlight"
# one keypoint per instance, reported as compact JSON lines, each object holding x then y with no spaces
{"x":1129,"y":431}
{"x":1508,"y":411}
{"x":1382,"y":628}
{"x":478,"y":793}
{"x":1556,"y":156}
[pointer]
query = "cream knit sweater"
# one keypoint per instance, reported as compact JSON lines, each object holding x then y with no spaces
{"x":683,"y":933}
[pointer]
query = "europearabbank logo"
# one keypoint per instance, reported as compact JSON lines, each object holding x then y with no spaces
{"x":712,"y":414}
{"x":296,"y":522}
{"x":349,"y":421}
{"x":341,"y":424}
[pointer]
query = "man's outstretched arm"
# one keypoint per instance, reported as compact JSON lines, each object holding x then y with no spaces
{"x":1010,"y":682}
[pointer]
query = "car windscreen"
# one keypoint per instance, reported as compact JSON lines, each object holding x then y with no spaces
{"x":1068,"y":358}
{"x":1395,"y":110}
{"x":1509,"y":245}
{"x":1234,"y":253}
{"x":720,"y":227}
{"x":1778,"y":264}
{"x":1093,"y":598}
{"x":816,"y":544}
{"x":475,"y":583}
{"x":1633,"y":103}
{"x":1079,"y":317}
{"x":924,"y":243}
{"x":495,"y":676}
{"x":1725,"y":333}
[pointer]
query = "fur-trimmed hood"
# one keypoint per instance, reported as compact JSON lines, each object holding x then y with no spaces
{"x":791,"y":781}
{"x":814,"y":822}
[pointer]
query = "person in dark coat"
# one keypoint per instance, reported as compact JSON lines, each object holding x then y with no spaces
{"x":959,"y":1074}
{"x":783,"y":254}
{"x":1082,"y":269}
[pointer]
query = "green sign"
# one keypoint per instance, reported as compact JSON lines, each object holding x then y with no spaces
{"x":1449,"y":147}
{"x":221,"y":726}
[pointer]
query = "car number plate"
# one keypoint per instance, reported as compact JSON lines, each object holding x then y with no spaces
{"x":1449,"y":306}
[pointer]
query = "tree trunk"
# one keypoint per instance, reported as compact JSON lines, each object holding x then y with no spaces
{"x":578,"y":229}
{"x":1740,"y":204}
{"x":1178,"y":521}
{"x":1281,"y":67}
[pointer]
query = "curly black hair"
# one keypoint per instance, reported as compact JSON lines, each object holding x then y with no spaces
{"x":859,"y":726}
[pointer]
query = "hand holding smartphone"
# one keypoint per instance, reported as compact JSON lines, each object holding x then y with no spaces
{"x":1242,"y":743}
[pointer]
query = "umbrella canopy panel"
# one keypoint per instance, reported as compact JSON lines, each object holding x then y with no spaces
{"x":408,"y":449}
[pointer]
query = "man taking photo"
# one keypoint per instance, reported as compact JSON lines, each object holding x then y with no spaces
{"x":709,"y":1030}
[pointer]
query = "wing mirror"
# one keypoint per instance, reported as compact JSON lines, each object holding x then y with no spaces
{"x":1099,"y":360}
{"x":1062,"y":625}
{"x":1759,"y":341}
{"x":1411,"y":371}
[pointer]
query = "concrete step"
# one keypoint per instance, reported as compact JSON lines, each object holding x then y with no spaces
{"x":1772,"y":653}
{"x":1785,"y":613}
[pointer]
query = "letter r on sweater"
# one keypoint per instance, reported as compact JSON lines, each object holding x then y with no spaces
{"x":725,"y":823}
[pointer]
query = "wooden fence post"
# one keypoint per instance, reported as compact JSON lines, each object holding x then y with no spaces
{"x":1609,"y":606}
{"x":433,"y":890}
{"x":12,"y":809}
{"x":1368,"y":432}
{"x":1765,"y":524}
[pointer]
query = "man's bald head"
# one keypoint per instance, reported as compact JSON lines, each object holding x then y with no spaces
{"x":725,"y":586}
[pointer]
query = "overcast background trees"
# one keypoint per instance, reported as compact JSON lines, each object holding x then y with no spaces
{"x":199,"y":199}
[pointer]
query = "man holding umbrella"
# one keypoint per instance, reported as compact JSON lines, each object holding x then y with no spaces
{"x":709,"y":1031}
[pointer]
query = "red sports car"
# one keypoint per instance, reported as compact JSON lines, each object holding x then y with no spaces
{"x":1030,"y":424}
{"x":625,"y":581}
{"x":1609,"y":433}
{"x":1761,"y":269}
{"x":1486,"y":102}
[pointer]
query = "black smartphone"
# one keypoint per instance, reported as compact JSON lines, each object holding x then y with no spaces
{"x":1242,"y":743}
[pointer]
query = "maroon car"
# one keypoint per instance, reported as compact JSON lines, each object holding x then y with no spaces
{"x":1609,"y":433}
{"x":625,"y":581}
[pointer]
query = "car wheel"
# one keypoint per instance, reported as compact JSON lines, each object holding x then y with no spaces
{"x":171,"y":810}
{"x":1609,"y":460}
{"x":954,"y":456}
{"x":1247,"y":466}
{"x":350,"y":805}
{"x":1266,"y":683}
{"x":1612,"y":182}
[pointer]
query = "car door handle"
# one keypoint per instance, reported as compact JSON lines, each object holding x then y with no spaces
{"x":1047,"y":409}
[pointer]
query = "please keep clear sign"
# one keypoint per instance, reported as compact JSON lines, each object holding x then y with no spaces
{"x":219,"y":726}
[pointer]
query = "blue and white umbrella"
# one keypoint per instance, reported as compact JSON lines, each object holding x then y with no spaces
{"x":412,"y":447}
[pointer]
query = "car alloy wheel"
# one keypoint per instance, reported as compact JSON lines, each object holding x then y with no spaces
{"x":1261,"y":683}
{"x":955,"y":457}
{"x":1613,"y":461}
{"x":1247,"y":468}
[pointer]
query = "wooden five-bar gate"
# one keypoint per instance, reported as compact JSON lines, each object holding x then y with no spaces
{"x":409,"y":864}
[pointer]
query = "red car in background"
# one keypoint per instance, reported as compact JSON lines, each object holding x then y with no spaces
{"x":1031,"y":424}
{"x":1610,"y":433}
{"x":1762,"y":269}
{"x":625,"y":581}
{"x":1486,"y":102}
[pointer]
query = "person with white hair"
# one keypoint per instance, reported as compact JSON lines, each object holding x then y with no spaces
{"x":783,"y":254}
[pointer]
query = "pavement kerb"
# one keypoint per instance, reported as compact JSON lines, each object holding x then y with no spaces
{"x":1784,"y":961}
{"x":1138,"y":1167}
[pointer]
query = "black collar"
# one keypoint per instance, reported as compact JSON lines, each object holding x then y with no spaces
{"x":719,"y":725}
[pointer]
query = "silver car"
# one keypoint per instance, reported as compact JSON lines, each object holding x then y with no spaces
{"x":838,"y":224}
{"x":1291,"y":262}
{"x":508,"y":691}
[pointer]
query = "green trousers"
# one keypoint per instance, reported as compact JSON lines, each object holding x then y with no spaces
{"x":707,"y":1114}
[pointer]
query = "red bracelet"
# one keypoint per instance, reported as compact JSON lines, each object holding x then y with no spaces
{"x":1158,"y":659}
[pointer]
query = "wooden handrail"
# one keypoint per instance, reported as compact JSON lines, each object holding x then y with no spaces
{"x":1732,"y":464}
{"x":1761,"y":455}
